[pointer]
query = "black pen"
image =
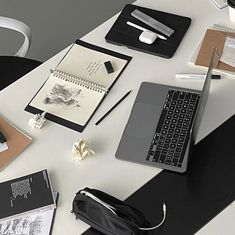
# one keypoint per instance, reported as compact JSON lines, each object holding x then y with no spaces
{"x":113,"y":107}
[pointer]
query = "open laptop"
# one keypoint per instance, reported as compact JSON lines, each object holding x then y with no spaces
{"x":163,"y":124}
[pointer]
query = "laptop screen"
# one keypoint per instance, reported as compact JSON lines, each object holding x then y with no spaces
{"x":203,"y":98}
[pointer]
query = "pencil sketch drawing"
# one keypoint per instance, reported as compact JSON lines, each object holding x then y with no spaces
{"x":31,"y":225}
{"x":63,"y":95}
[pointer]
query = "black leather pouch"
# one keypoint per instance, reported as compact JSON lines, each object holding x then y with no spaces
{"x":108,"y":214}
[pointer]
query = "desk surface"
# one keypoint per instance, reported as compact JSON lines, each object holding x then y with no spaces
{"x":51,"y":147}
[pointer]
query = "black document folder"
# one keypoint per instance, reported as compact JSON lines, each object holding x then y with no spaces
{"x":123,"y":34}
{"x":196,"y":197}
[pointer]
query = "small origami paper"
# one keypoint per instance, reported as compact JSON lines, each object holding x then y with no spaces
{"x":37,"y":121}
{"x":82,"y":149}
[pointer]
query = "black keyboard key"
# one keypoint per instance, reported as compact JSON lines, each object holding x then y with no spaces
{"x":159,"y":147}
{"x":173,"y":146}
{"x":156,"y":156}
{"x":163,"y":132}
{"x":194,"y":95}
{"x":172,"y":126}
{"x":175,"y":96}
{"x":165,"y":127}
{"x":168,"y":162}
{"x":169,"y":136}
{"x":188,"y":95}
{"x":177,"y":130}
{"x":174,"y":162}
{"x":177,"y":156}
{"x":180,"y":144}
{"x":162,"y":137}
{"x":177,"y":110}
{"x":176,"y":135}
{"x":164,"y":151}
{"x":181,"y":95}
{"x":162,"y":158}
{"x":166,"y":146}
{"x":167,"y":141}
{"x":161,"y":121}
{"x":178,"y":150}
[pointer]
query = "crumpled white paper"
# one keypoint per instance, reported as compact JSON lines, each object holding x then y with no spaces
{"x":37,"y":121}
{"x":81,"y":150}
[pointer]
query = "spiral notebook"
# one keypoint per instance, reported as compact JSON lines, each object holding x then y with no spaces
{"x":78,"y":84}
{"x":216,"y":36}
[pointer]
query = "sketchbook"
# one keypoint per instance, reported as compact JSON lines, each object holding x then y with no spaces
{"x":214,"y":37}
{"x":78,"y":84}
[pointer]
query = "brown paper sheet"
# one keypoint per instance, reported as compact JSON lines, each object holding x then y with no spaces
{"x":17,"y":142}
{"x":213,"y":38}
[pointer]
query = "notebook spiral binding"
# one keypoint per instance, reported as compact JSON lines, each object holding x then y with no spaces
{"x":79,"y":81}
{"x":222,"y":28}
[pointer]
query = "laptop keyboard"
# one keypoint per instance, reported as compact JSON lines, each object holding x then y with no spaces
{"x":172,"y":133}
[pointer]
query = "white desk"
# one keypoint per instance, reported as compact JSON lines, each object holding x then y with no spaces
{"x":51,"y":147}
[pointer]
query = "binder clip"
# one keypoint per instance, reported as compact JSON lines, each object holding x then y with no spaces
{"x":37,"y":121}
{"x":81,"y":149}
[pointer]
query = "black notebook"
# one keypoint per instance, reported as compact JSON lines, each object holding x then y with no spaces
{"x":26,"y":194}
{"x":78,"y":84}
{"x":123,"y":34}
{"x":196,"y":197}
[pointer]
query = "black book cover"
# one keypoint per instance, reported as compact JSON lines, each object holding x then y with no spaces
{"x":26,"y":194}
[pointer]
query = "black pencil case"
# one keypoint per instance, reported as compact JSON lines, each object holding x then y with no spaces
{"x":108,"y":214}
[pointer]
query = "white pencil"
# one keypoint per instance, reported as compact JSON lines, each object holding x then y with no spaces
{"x":144,"y":29}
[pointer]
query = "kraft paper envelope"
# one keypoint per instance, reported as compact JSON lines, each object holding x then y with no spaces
{"x":213,"y":38}
{"x":17,"y":141}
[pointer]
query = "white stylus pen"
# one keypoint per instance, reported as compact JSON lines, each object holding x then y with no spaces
{"x":189,"y":76}
{"x":144,"y":29}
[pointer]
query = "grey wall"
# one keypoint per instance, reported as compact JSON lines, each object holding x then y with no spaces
{"x":55,"y":23}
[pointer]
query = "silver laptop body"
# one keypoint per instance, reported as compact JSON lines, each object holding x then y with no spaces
{"x":144,"y":143}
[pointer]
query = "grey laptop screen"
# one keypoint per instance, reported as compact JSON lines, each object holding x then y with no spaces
{"x":204,"y":96}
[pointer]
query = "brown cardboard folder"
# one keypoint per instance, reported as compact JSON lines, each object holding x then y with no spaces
{"x":17,"y":141}
{"x":213,"y":38}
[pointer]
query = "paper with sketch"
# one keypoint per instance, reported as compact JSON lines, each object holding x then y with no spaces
{"x":67,"y":100}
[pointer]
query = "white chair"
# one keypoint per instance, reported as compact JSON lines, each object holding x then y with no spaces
{"x":21,"y":27}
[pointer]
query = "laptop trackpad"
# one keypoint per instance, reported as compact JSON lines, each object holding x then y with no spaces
{"x":143,"y":120}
